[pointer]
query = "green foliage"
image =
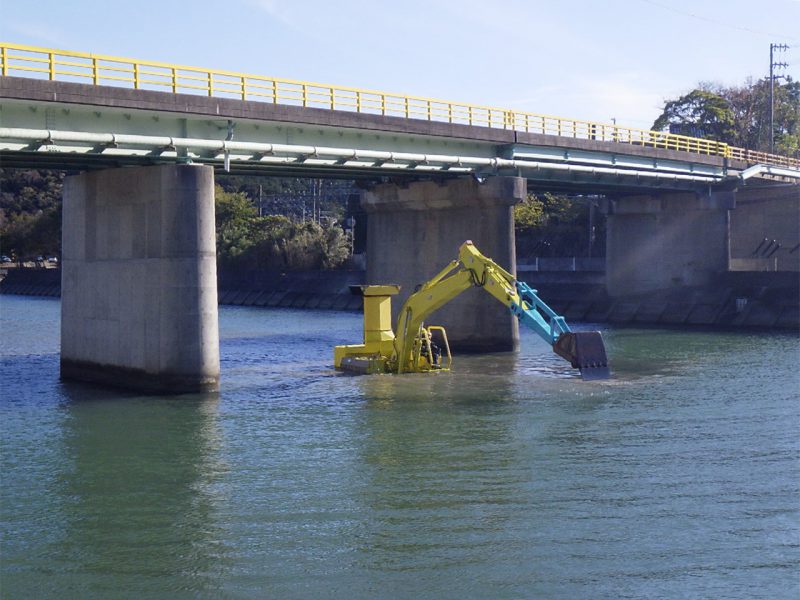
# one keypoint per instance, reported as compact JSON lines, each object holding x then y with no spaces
{"x":787,"y":118}
{"x":528,"y":215}
{"x":294,"y":197}
{"x":28,"y":191}
{"x":550,"y":224}
{"x":30,"y":212}
{"x":738,"y":115}
{"x":236,"y":220}
{"x":29,"y":235}
{"x":700,"y":113}
{"x":299,"y":246}
{"x":539,"y":211}
{"x":246,"y":240}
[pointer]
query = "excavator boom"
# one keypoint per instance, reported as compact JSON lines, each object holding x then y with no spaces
{"x":411,"y":348}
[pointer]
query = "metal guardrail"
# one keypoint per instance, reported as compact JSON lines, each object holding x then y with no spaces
{"x":61,"y":65}
{"x":756,"y":157}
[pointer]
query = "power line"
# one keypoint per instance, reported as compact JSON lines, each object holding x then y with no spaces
{"x":717,"y":22}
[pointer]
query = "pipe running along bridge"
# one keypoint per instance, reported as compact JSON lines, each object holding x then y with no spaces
{"x":138,"y":263}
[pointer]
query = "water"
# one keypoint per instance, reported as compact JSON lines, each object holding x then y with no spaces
{"x":507,"y":478}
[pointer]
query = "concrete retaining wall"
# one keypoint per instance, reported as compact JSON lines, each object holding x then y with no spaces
{"x":771,"y":300}
{"x":321,"y":290}
{"x":769,"y":213}
{"x":733,"y":300}
{"x":32,"y":282}
{"x":665,"y":241}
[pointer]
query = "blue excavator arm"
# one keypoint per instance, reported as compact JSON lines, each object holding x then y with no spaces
{"x":529,"y":312}
{"x":584,"y":350}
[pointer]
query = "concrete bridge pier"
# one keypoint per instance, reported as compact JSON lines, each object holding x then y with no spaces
{"x":414,"y":231}
{"x":657,"y":242}
{"x":138,"y":289}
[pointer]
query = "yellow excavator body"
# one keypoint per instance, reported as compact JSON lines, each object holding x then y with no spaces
{"x":413,"y":347}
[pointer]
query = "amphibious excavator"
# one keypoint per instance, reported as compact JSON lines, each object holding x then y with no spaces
{"x":415,"y":348}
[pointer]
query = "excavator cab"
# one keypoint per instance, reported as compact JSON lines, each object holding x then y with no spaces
{"x":432,"y":350}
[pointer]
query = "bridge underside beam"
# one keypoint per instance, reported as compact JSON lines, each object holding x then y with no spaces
{"x":139,"y":296}
{"x":414,"y":231}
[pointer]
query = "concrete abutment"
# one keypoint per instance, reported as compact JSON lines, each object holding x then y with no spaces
{"x":139,"y":289}
{"x":414,"y":231}
{"x":658,"y":242}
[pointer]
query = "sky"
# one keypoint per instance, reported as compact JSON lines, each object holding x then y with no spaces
{"x":606,"y":60}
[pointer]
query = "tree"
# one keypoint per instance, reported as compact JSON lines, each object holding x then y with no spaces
{"x":548,"y":225}
{"x":700,"y":113}
{"x":236,"y":223}
{"x":30,"y":212}
{"x":787,"y":118}
{"x":246,"y":240}
{"x":738,"y":115}
{"x":28,"y":191}
{"x":528,"y":215}
{"x":28,"y":235}
{"x":298,"y":246}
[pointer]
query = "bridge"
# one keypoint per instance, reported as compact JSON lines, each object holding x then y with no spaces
{"x":139,"y":275}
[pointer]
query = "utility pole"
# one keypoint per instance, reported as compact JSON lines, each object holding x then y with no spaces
{"x":772,"y":77}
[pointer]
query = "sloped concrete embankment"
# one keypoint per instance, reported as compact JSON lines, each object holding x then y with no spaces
{"x":321,"y":290}
{"x":32,"y":282}
{"x":735,"y":300}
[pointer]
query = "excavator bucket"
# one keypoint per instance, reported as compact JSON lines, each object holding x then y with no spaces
{"x":585,"y":351}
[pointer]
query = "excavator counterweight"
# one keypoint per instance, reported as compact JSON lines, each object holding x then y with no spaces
{"x":412,"y":347}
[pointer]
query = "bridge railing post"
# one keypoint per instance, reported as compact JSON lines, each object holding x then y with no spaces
{"x":95,"y":74}
{"x":512,"y":120}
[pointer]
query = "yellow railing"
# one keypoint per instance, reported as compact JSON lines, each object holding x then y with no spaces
{"x":30,"y":61}
{"x":756,"y":157}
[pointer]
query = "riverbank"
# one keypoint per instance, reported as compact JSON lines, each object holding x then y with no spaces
{"x":766,"y":300}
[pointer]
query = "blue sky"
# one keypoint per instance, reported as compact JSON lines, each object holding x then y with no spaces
{"x":581,"y":59}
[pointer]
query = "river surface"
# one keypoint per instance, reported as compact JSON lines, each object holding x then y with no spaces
{"x":507,"y":478}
